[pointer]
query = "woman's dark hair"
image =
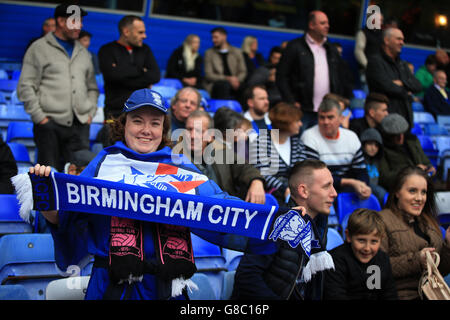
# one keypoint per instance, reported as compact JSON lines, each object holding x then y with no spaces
{"x":117,"y":130}
{"x":430,"y":210}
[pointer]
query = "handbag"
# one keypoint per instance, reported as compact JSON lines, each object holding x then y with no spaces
{"x":432,"y":285}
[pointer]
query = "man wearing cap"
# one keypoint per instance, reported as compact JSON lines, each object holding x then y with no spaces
{"x":400,"y":149}
{"x":127,"y":64}
{"x":58,"y":88}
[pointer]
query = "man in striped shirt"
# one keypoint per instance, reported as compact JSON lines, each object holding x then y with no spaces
{"x":340,"y":149}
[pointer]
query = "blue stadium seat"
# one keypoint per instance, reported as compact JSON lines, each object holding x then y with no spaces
{"x":429,"y":149}
{"x":423,"y":117}
{"x":4,"y":74}
{"x":228,"y":284}
{"x":71,"y":288}
{"x":7,"y":85}
{"x":10,"y":220}
{"x":347,"y":202}
{"x":22,"y":132}
{"x":93,"y":131}
{"x":435,"y":129}
{"x":357,"y":103}
{"x":28,"y":259}
{"x":444,"y":121}
{"x":232,"y":258}
{"x":417,"y":129}
{"x":15,"y":75}
{"x":13,"y":292}
{"x":101,"y":100}
{"x":357,"y":113}
{"x":418,"y":106}
{"x":334,"y":239}
{"x":167,"y":92}
{"x":170,"y":82}
{"x":205,"y":289}
{"x":215,"y":104}
{"x":359,"y":94}
{"x":209,"y":261}
{"x":21,"y":155}
{"x":204,"y":93}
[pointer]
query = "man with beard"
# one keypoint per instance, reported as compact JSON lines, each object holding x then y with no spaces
{"x":258,"y":107}
{"x":225,"y":69}
{"x":127,"y":65}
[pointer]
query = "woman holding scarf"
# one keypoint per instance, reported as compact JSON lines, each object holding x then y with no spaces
{"x":133,"y":259}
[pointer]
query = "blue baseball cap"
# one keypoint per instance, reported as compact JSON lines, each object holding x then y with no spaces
{"x":145,"y":97}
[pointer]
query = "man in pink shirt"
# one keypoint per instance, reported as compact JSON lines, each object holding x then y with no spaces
{"x":309,"y":69}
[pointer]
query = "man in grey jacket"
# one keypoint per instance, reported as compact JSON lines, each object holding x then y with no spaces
{"x":58,"y":88}
{"x":225,"y":69}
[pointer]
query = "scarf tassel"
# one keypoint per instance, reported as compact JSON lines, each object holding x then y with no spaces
{"x":317,"y":262}
{"x":179,"y":284}
{"x":22,"y":184}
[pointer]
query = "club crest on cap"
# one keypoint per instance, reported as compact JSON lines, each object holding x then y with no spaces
{"x":145,"y":97}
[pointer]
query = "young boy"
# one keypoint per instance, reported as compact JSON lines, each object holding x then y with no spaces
{"x":372,"y":143}
{"x":363,"y":272}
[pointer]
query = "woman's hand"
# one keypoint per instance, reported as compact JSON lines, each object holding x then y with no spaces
{"x":423,"y":256}
{"x":44,"y":171}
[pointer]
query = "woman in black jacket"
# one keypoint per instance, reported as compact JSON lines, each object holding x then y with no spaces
{"x":185,"y":63}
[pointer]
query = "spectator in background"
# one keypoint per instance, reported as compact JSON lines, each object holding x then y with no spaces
{"x":49,"y":25}
{"x":185,"y":101}
{"x":80,"y":160}
{"x":355,"y":258}
{"x":253,"y":58}
{"x":258,"y":106}
{"x":85,"y":40}
{"x":443,"y":61}
{"x":375,"y":109}
{"x":410,"y":219}
{"x":235,"y":130}
{"x":276,"y":151}
{"x":437,"y":96}
{"x":425,"y":74}
{"x":346,"y":73}
{"x":231,"y":173}
{"x":58,"y":88}
{"x":387,"y":73}
{"x":372,"y":145}
{"x":266,"y":75}
{"x":344,"y":104}
{"x":400,"y":149}
{"x":127,"y":64}
{"x":281,"y":276}
{"x":340,"y":149}
{"x":185,"y":63}
{"x":309,"y":68}
{"x":225,"y":70}
{"x":8,"y":168}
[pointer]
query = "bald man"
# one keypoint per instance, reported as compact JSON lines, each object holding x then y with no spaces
{"x":390,"y":75}
{"x":309,"y":69}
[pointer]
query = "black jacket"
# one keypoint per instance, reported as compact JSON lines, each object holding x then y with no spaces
{"x":8,"y":168}
{"x":381,"y":71}
{"x":295,"y":73}
{"x":352,"y":280}
{"x":124,"y":73}
{"x":176,"y":67}
{"x":274,"y":277}
{"x":435,"y":103}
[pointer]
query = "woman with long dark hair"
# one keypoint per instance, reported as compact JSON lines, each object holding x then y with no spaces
{"x":410,"y":217}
